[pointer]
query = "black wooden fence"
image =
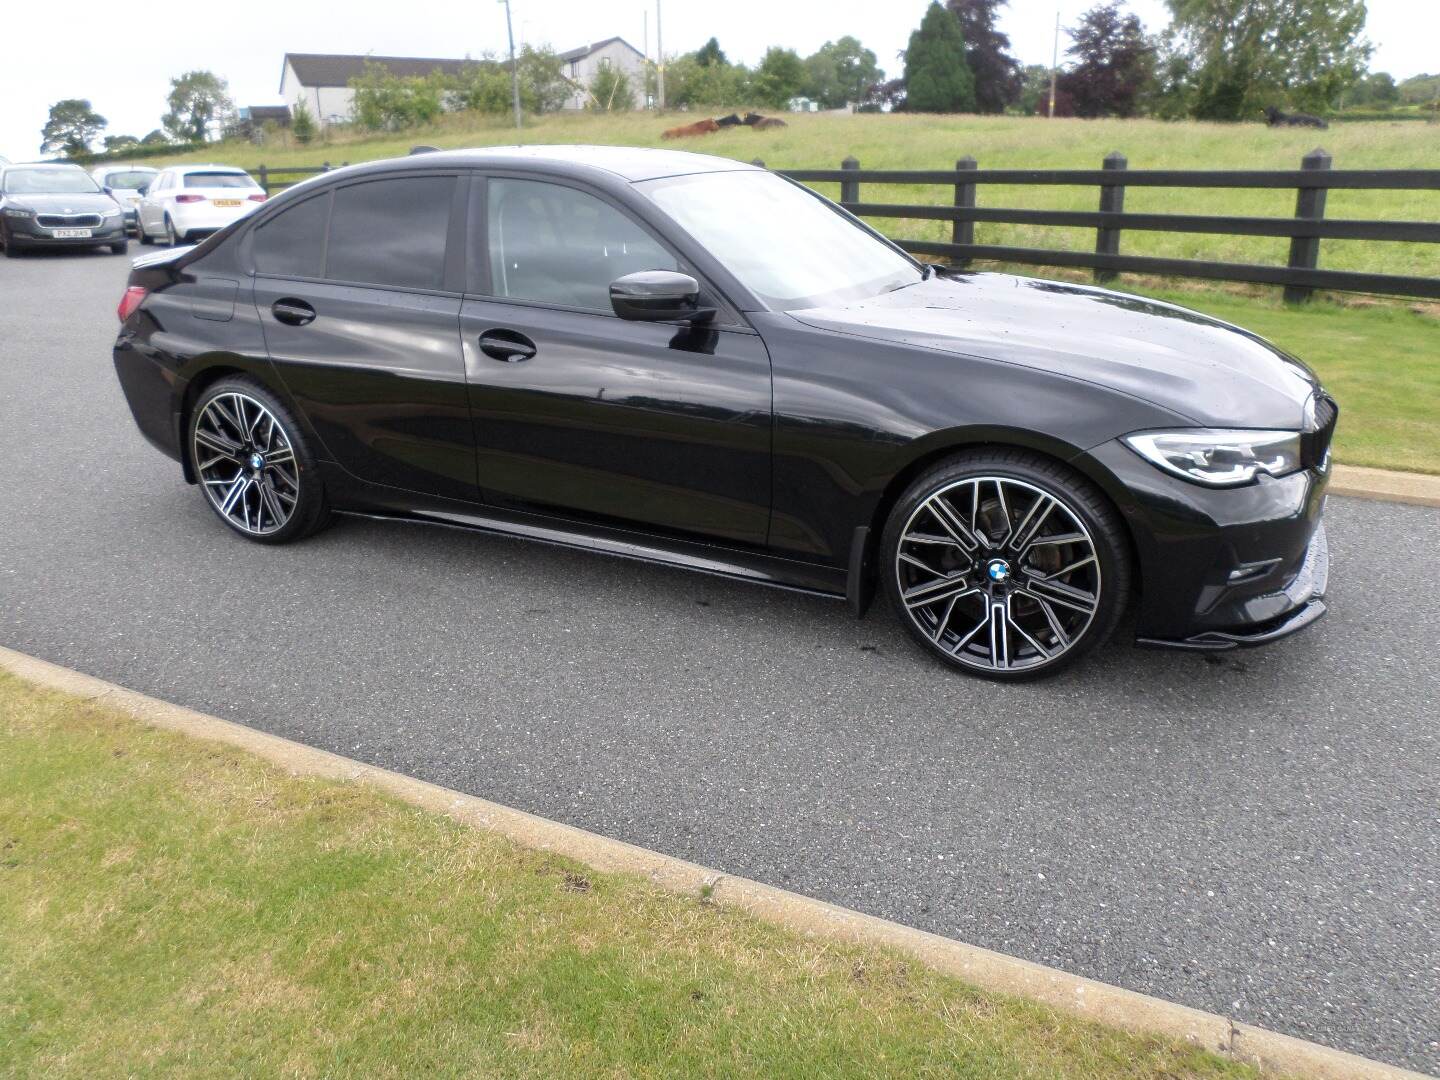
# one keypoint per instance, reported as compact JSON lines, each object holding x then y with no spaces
{"x":1300,"y":277}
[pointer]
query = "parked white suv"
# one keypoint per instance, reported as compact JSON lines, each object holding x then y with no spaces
{"x":188,"y":202}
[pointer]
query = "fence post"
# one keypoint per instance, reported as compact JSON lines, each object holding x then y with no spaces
{"x":1112,"y":201}
{"x":963,"y":232}
{"x":325,"y":166}
{"x":850,"y":189}
{"x":1309,"y":204}
{"x":264,"y":180}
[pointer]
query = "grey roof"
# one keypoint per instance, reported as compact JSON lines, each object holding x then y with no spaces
{"x":334,"y":69}
{"x":581,"y":51}
{"x":632,"y":163}
{"x":265,"y":112}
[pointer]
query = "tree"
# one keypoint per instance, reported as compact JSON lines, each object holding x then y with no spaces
{"x":72,"y":126}
{"x":388,"y":102}
{"x":610,"y":90}
{"x":120,"y":142}
{"x":155,"y":138}
{"x":689,"y":82}
{"x":1034,"y":99}
{"x":937,"y":77}
{"x":839,"y":72}
{"x":779,"y":77}
{"x":987,"y":52}
{"x":198,"y":100}
{"x":710,"y":54}
{"x":302,"y":124}
{"x":1115,"y":63}
{"x":1247,"y":54}
{"x":1377,"y":90}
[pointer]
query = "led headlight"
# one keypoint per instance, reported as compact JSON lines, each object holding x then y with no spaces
{"x":1217,"y":457}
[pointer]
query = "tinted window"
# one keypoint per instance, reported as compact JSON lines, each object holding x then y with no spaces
{"x":127,"y":180}
{"x":561,"y":246}
{"x":290,"y":243}
{"x":391,"y":232}
{"x":218,"y":180}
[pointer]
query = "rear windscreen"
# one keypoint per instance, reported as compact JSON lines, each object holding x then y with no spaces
{"x":218,"y":179}
{"x":128,"y":181}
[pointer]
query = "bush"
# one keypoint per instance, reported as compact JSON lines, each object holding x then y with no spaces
{"x":302,"y":124}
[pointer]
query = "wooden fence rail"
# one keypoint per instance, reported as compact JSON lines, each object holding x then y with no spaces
{"x":1300,"y":277}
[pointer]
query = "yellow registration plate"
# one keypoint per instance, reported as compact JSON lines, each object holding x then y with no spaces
{"x":226,"y":202}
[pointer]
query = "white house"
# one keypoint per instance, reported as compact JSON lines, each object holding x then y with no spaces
{"x":582,"y":64}
{"x":322,"y":80}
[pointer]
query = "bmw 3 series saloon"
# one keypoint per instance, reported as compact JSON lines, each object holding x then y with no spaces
{"x":683,"y":359}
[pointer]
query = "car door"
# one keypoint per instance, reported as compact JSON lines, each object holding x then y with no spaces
{"x":149,"y":201}
{"x":351,"y":289}
{"x":583,"y":414}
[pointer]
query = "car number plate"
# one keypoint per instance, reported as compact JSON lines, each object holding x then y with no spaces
{"x":226,"y":202}
{"x":71,"y":234}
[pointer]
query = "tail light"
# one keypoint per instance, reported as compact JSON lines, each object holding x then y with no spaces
{"x":189,"y":198}
{"x":257,"y":198}
{"x":132,"y":299}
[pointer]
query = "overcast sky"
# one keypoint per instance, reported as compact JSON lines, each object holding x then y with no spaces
{"x":124,"y":67}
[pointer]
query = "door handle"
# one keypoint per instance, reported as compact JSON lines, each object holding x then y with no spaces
{"x":292,"y":312}
{"x":506,"y":345}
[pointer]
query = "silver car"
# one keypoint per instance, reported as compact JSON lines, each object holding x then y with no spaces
{"x":123,"y":183}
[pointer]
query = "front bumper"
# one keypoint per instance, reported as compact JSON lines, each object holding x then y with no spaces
{"x":1222,"y":567}
{"x":25,"y":233}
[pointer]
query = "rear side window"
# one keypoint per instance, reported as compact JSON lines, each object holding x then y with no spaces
{"x":219,"y":180}
{"x":391,"y":232}
{"x":290,"y":244}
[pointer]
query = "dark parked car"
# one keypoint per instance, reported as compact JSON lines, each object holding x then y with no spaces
{"x":688,"y":360}
{"x":57,"y":206}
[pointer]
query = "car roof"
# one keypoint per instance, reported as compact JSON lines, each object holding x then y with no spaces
{"x":631,"y":163}
{"x":115,"y":167}
{"x":201,"y":167}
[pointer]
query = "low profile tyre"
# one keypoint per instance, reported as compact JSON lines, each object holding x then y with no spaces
{"x":253,"y":464}
{"x":1006,"y":564}
{"x":141,"y":235}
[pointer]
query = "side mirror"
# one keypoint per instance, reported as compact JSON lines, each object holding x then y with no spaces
{"x":143,"y":189}
{"x":107,"y":191}
{"x":658,"y":296}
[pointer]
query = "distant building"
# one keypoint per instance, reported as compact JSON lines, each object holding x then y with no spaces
{"x":322,"y":80}
{"x":253,"y":117}
{"x":581,"y":65}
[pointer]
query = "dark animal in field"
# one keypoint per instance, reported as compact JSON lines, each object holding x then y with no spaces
{"x":700,"y":127}
{"x":729,"y":121}
{"x":1275,"y":118}
{"x":760,"y":123}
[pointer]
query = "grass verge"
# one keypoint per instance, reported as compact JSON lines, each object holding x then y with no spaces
{"x":173,"y":906}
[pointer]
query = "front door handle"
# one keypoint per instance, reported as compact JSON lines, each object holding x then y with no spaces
{"x":292,"y":312}
{"x":507,"y":345}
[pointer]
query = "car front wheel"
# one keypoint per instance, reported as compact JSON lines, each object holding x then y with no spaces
{"x":254,"y":465}
{"x":1006,"y":564}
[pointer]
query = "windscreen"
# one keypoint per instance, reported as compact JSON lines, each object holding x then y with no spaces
{"x":128,"y":181}
{"x":218,"y":180}
{"x":48,"y":182}
{"x":786,"y":245}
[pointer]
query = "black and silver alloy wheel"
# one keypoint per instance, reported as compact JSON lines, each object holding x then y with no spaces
{"x":1009,"y":573}
{"x":246,"y":463}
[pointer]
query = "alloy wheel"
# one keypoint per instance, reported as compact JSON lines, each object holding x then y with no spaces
{"x":998,"y":573}
{"x":245,"y":460}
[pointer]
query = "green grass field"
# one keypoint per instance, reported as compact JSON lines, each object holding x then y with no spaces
{"x":170,"y":907}
{"x":935,"y":142}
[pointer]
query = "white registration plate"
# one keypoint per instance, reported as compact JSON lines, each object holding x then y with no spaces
{"x":70,"y":234}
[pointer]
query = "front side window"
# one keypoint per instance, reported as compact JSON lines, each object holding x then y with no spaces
{"x":557,"y":245}
{"x":391,"y":232}
{"x":782,"y":242}
{"x":290,"y":243}
{"x":49,"y":182}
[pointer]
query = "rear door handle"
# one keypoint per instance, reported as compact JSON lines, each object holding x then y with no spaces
{"x":292,"y":312}
{"x":507,"y":345}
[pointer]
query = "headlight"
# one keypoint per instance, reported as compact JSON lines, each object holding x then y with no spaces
{"x":110,"y":213}
{"x":13,"y":212}
{"x":1219,"y":458}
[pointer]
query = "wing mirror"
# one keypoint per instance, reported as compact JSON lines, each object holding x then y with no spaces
{"x":143,"y":189}
{"x":658,"y":296}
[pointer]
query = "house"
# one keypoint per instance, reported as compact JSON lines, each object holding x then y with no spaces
{"x":254,"y":117}
{"x":322,"y":80}
{"x":581,"y":65}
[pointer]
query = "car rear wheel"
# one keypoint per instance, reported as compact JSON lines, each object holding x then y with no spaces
{"x":252,"y":461}
{"x":1006,"y":564}
{"x":171,"y":237}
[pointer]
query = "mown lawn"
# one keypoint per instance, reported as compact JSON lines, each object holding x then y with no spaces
{"x":935,"y":142}
{"x":173,"y":907}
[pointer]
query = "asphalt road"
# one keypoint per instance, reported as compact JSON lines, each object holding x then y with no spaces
{"x":1257,"y":835}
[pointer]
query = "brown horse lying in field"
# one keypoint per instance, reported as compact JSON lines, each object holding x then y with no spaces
{"x":700,"y":127}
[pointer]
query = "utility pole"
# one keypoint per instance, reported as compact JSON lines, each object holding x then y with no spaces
{"x":514,"y":68}
{"x":646,"y":93}
{"x":1054,"y":63}
{"x":660,"y":60}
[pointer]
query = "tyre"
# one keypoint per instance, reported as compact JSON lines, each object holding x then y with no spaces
{"x":120,"y":248}
{"x":1006,"y":564}
{"x":253,"y":463}
{"x":171,"y":237}
{"x":140,"y":233}
{"x":11,"y":251}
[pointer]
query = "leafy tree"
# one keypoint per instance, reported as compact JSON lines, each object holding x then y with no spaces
{"x":779,"y":77}
{"x":1377,"y":90}
{"x":543,"y":86}
{"x":888,"y":95}
{"x":1246,"y":54}
{"x":1420,"y":90}
{"x":987,"y":52}
{"x":302,"y":124}
{"x":937,"y":77}
{"x":198,"y":100}
{"x":689,"y":82}
{"x":1034,"y":99}
{"x":120,"y":142}
{"x":710,"y":54}
{"x":484,"y":86}
{"x":155,"y":138}
{"x":72,"y":126}
{"x":1115,"y":63}
{"x":388,"y":102}
{"x":840,"y":72}
{"x":610,"y":90}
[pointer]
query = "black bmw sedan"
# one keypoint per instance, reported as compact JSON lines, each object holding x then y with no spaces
{"x":684,"y":359}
